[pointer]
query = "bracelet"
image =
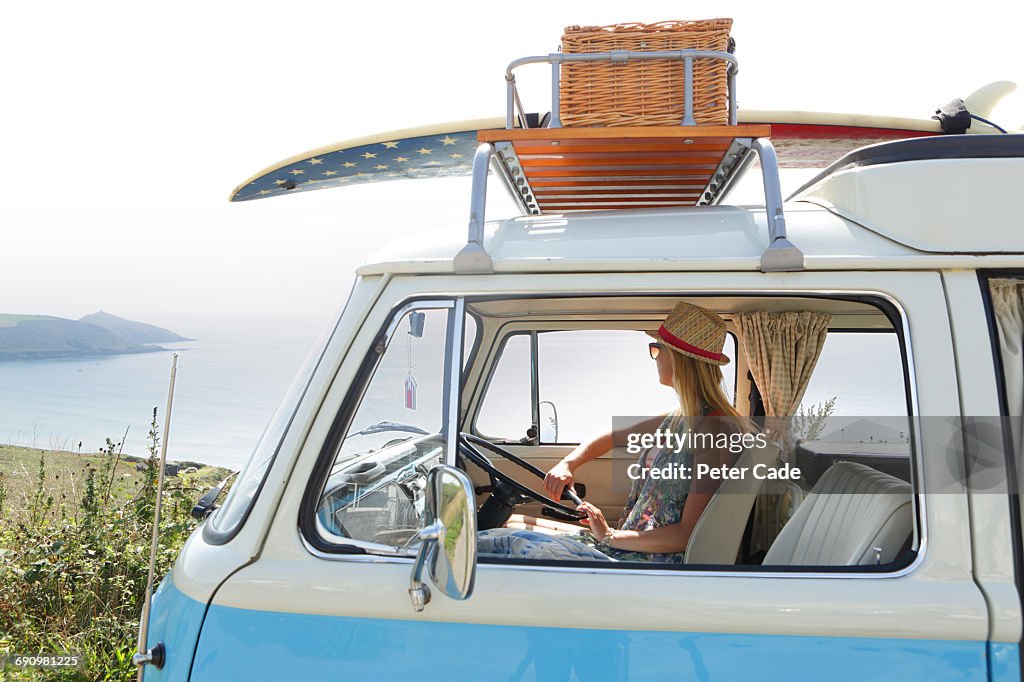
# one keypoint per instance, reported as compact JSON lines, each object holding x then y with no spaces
{"x":608,"y":537}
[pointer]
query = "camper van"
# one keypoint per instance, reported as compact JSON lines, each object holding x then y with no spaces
{"x":460,"y":371}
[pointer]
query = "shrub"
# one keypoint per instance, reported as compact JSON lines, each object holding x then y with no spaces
{"x":809,"y":421}
{"x":73,"y":567}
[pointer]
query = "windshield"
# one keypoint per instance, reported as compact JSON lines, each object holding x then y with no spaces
{"x":374,"y":492}
{"x":226,"y":520}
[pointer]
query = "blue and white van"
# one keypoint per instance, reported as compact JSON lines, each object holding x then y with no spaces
{"x":458,"y":369}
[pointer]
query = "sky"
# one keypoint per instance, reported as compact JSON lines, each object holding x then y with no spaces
{"x":127,"y":124}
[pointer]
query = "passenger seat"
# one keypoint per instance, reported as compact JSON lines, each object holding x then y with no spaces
{"x":854,"y":516}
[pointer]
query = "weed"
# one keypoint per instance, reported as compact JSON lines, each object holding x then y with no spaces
{"x":73,"y":567}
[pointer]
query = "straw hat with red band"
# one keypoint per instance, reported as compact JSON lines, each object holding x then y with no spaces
{"x":694,"y":331}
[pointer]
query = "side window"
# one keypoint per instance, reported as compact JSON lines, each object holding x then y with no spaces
{"x":863,"y":371}
{"x":1006,"y":301}
{"x":585,"y":377}
{"x":847,"y":468}
{"x":506,"y":412}
{"x":589,"y":376}
{"x":374,"y":489}
{"x":855,"y":407}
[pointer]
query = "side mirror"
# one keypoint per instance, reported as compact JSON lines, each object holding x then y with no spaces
{"x":548,"y":422}
{"x":448,"y":542}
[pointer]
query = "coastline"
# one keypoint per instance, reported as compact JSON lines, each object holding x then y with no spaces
{"x":85,"y":455}
{"x":29,"y":356}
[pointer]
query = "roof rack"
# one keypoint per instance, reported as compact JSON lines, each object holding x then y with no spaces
{"x":557,"y":169}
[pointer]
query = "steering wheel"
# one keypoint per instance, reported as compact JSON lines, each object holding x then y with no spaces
{"x":507,"y":492}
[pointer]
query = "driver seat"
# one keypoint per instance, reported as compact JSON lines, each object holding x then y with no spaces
{"x":719,"y":531}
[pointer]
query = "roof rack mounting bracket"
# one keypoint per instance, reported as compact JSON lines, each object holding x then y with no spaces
{"x":515,"y":177}
{"x":473,"y":258}
{"x":781,"y":255}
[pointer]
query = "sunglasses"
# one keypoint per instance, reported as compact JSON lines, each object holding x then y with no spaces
{"x":654,"y":347}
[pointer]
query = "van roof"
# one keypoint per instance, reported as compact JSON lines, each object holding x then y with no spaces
{"x":700,"y":239}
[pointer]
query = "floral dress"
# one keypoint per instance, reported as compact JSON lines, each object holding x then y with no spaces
{"x":652,"y":503}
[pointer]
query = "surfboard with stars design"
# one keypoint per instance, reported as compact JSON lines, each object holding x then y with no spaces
{"x":427,"y":152}
{"x":802,"y":139}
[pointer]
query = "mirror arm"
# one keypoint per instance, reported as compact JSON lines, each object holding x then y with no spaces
{"x":419,"y":593}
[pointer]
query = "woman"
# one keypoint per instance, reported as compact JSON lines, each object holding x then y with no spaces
{"x":660,"y":513}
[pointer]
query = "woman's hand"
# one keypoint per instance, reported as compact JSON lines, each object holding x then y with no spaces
{"x":558,"y":479}
{"x":595,"y":521}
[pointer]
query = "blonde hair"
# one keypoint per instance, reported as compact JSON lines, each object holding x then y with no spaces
{"x":699,"y":384}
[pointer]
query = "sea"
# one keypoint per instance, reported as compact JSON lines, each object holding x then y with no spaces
{"x":232,"y":375}
{"x":228,"y":382}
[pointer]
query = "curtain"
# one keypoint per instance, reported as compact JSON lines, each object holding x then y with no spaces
{"x":781,"y":350}
{"x":1008,"y":305}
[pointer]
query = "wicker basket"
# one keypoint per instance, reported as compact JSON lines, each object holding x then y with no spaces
{"x":644,"y":92}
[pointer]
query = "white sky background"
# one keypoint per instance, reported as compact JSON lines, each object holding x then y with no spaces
{"x":126,"y":124}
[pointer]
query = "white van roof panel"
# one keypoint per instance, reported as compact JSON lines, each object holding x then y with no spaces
{"x":705,"y":238}
{"x":950,"y":194}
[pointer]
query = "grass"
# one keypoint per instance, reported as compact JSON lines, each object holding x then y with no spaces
{"x":75,"y":533}
{"x":65,"y":474}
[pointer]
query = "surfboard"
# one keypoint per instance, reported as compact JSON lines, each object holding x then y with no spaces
{"x":801,"y":139}
{"x":430,"y":151}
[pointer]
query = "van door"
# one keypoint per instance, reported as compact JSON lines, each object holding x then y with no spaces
{"x":988,"y":320}
{"x":327,"y":597}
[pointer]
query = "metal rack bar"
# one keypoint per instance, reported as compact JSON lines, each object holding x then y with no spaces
{"x":688,"y":119}
{"x":556,"y":59}
{"x":473,"y":258}
{"x":781,"y":255}
{"x":556,"y":94}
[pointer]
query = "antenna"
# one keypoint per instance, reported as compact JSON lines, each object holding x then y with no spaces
{"x":155,"y":655}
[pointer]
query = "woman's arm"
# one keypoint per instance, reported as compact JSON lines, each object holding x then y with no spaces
{"x":561,"y":477}
{"x":666,"y":539}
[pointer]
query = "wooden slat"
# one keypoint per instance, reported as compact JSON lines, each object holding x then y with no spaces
{"x":560,"y":208}
{"x":618,"y":161}
{"x":662,"y":174}
{"x":644,"y":132}
{"x":574,"y":169}
{"x":633,"y":171}
{"x":589,"y":192}
{"x":674,"y":182}
{"x":617,"y":200}
{"x":681,"y":196}
{"x":528,"y":148}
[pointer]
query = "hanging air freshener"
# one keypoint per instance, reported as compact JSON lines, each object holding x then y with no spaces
{"x":410,"y":391}
{"x":415,"y":330}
